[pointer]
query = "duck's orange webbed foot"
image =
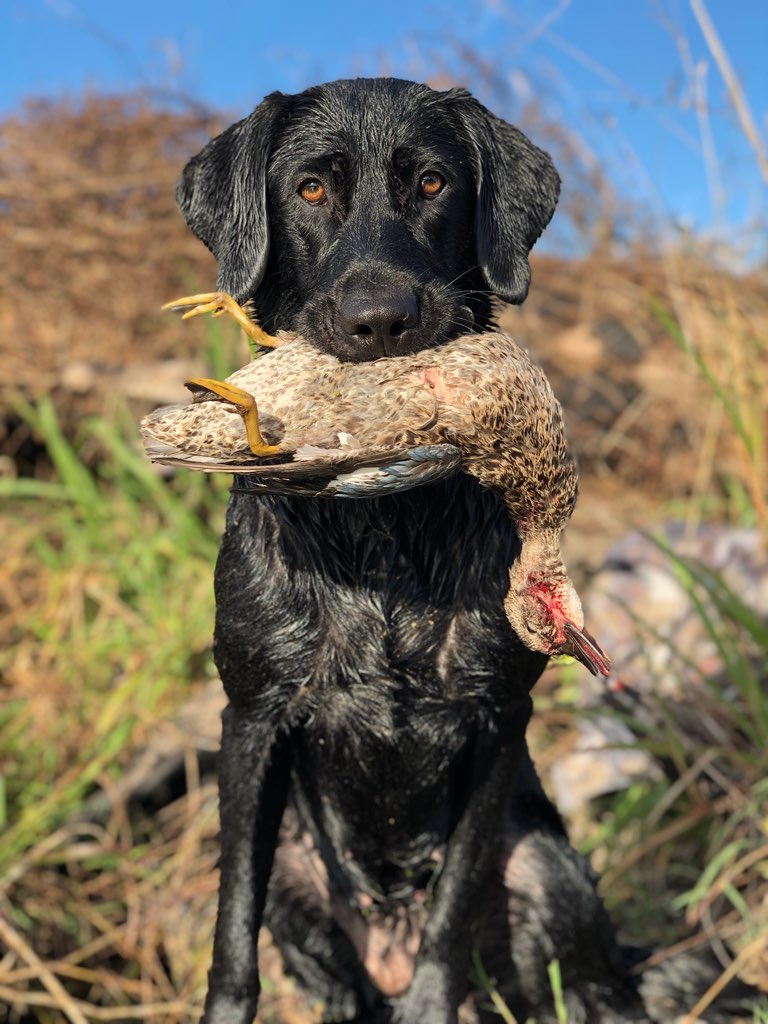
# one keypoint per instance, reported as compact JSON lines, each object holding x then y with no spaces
{"x":218,"y":303}
{"x":245,"y":404}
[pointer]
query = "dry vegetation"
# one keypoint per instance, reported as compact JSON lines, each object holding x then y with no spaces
{"x":105,"y":609}
{"x":94,"y":244}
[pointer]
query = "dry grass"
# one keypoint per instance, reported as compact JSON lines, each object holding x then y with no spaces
{"x":616,"y":336}
{"x":93,"y":242}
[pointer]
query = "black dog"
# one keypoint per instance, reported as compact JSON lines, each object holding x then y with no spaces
{"x":373,"y":758}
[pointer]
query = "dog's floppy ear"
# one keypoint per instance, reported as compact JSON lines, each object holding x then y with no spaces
{"x":517,"y":191}
{"x":222,"y":194}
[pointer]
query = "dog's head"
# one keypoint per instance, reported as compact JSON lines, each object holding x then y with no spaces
{"x":375,"y":216}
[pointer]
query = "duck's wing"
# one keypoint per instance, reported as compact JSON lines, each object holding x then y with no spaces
{"x":344,"y":473}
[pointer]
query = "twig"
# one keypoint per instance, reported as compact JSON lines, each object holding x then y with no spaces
{"x":62,"y":1000}
{"x":732,"y":84}
{"x":113,"y":1013}
{"x":717,"y":987}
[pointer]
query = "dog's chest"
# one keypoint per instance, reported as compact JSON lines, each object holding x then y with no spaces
{"x":369,"y":616}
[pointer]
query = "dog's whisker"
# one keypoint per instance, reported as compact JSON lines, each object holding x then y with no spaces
{"x":463,"y":273}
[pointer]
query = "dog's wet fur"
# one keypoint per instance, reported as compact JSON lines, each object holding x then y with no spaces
{"x":379,"y":808}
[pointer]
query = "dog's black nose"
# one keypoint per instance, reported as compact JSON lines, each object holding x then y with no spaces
{"x":380,"y":323}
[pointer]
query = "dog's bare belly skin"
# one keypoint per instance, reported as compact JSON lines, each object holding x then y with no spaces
{"x":385,"y":941}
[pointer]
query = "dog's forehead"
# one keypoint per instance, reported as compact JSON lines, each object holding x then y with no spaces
{"x":372,"y":118}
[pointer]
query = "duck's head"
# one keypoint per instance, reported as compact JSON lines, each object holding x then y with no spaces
{"x":544,"y":610}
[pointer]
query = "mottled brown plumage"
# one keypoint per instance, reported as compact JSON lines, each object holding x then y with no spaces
{"x":358,"y":429}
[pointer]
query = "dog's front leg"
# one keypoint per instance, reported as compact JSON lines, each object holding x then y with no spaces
{"x":253,"y":782}
{"x":440,"y":976}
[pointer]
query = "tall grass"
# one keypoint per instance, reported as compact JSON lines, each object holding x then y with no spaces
{"x":118,"y":562}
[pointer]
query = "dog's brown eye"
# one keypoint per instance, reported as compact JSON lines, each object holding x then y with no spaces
{"x":312,"y":191}
{"x":431,"y":183}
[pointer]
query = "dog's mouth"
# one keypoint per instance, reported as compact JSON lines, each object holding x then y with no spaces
{"x":383,"y":326}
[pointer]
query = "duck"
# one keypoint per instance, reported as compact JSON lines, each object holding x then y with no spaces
{"x":296,"y":420}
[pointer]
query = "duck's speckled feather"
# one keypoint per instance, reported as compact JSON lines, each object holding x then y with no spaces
{"x":481,"y":393}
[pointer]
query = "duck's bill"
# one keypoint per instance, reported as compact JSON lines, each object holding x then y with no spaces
{"x":582,"y":646}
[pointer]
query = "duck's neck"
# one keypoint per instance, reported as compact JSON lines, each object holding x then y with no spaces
{"x":541,"y":595}
{"x":539,"y":561}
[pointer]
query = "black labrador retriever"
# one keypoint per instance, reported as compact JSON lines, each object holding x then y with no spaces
{"x":378,"y":803}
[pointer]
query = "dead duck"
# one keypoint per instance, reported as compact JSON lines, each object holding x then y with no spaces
{"x":313,"y":425}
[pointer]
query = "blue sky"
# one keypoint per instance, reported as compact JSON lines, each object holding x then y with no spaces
{"x":607,"y":69}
